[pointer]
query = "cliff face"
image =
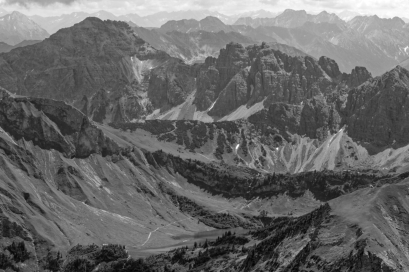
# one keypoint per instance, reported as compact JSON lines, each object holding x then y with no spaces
{"x":376,"y":112}
{"x":53,"y":124}
{"x":170,"y":84}
{"x":249,"y":75}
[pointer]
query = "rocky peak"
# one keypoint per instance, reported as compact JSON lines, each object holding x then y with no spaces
{"x":358,"y":76}
{"x":293,"y":12}
{"x":230,"y":61}
{"x":376,"y":111}
{"x":181,"y":25}
{"x":292,"y":18}
{"x":365,"y":24}
{"x":329,"y":66}
{"x":16,"y":27}
{"x":17,"y":15}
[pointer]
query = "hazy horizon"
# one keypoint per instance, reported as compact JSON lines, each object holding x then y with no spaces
{"x":382,"y":8}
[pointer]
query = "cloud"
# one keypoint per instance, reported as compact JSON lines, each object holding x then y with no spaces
{"x":331,"y":4}
{"x":26,"y":3}
{"x":228,"y":7}
{"x":270,"y":2}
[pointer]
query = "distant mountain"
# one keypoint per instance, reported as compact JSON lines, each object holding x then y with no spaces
{"x":405,"y":64}
{"x":292,"y":18}
{"x":193,"y":46}
{"x":4,"y":47}
{"x":348,"y":15}
{"x":321,"y":34}
{"x":16,"y":27}
{"x":135,"y":19}
{"x":209,"y":24}
{"x":54,"y":23}
{"x":406,"y":20}
{"x":254,"y":22}
{"x":160,"y":18}
{"x":388,"y":37}
{"x":366,"y":24}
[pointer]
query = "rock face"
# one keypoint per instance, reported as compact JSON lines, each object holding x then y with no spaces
{"x":217,"y":73}
{"x":376,"y":112}
{"x":266,"y":72}
{"x":170,"y":84}
{"x":16,"y":27}
{"x":314,"y":119}
{"x":53,"y":124}
{"x":207,"y":84}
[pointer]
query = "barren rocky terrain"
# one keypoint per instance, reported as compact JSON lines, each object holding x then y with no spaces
{"x":260,"y":158}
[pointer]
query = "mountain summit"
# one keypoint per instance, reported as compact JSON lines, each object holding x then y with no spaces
{"x":16,"y":27}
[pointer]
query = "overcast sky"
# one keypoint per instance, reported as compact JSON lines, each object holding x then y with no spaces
{"x":383,"y":8}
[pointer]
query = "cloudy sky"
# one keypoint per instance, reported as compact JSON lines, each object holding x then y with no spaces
{"x":383,"y":8}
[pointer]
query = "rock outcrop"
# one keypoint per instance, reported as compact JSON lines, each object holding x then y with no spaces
{"x":377,"y":111}
{"x":53,"y":124}
{"x":250,"y":75}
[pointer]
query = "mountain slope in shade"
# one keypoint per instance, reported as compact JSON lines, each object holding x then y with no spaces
{"x":16,"y":27}
{"x":377,"y":110}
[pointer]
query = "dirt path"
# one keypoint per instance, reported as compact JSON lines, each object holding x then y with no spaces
{"x":150,"y":233}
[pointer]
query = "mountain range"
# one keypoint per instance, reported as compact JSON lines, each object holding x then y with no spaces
{"x":115,"y":145}
{"x":375,"y":43}
{"x":363,"y":41}
{"x":54,"y":23}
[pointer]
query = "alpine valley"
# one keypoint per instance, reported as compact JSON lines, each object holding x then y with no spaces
{"x":243,"y":144}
